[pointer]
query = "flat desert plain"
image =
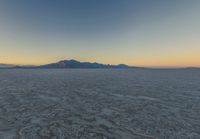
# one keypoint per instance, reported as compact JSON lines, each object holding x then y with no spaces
{"x":99,"y":104}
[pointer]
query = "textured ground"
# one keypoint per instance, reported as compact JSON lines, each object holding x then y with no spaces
{"x":99,"y":104}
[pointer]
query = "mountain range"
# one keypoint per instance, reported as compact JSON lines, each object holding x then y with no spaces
{"x":7,"y":66}
{"x":77,"y":64}
{"x":67,"y":64}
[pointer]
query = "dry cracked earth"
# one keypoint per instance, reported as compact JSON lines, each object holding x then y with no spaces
{"x":99,"y":104}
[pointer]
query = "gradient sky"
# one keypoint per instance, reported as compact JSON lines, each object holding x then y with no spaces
{"x":160,"y":33}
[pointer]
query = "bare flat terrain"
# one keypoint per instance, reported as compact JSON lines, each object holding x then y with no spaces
{"x":99,"y":104}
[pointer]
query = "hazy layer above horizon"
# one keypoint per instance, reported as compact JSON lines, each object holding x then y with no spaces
{"x":138,"y":33}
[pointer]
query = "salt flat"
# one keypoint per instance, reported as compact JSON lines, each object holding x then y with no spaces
{"x":99,"y":104}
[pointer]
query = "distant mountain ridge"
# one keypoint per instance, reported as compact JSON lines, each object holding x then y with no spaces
{"x":77,"y":64}
{"x":6,"y":65}
{"x":74,"y":64}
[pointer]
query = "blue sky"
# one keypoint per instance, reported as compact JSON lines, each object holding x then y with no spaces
{"x":134,"y":32}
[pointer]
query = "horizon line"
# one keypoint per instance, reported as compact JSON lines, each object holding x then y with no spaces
{"x":151,"y":67}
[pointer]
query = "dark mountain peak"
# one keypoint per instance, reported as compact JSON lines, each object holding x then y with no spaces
{"x":67,"y":61}
{"x":77,"y":64}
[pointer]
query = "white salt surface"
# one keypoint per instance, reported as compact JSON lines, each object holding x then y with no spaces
{"x":99,"y":104}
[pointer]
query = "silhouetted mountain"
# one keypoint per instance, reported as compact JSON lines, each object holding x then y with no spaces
{"x":7,"y":66}
{"x":78,"y":64}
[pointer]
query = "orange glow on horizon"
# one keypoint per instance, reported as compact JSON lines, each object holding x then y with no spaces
{"x":141,"y":63}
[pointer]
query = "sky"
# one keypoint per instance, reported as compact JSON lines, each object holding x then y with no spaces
{"x":150,"y":33}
